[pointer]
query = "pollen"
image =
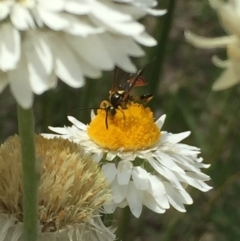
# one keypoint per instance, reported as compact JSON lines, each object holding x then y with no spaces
{"x":129,"y":129}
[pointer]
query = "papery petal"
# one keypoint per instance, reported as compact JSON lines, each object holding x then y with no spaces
{"x":209,"y":43}
{"x":4,"y":9}
{"x":124,"y":172}
{"x":40,"y":63}
{"x":158,"y":192}
{"x":9,"y":47}
{"x":118,"y":191}
{"x":226,"y":80}
{"x":134,"y":198}
{"x":110,"y":208}
{"x":55,"y":21}
{"x":150,"y":202}
{"x":92,"y":51}
{"x":53,"y":5}
{"x":175,"y":138}
{"x":110,"y":171}
{"x":77,"y":123}
{"x":20,"y":85}
{"x":168,"y":162}
{"x":160,"y":121}
{"x":140,"y":178}
{"x":77,"y":7}
{"x":66,"y":67}
{"x":21,"y":18}
{"x":145,"y":39}
{"x":174,"y":197}
{"x":165,"y":172}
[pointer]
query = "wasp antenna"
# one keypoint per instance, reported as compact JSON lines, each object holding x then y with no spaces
{"x":140,"y":72}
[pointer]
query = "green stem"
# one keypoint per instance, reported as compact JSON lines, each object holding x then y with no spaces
{"x":163,"y":27}
{"x":123,"y":225}
{"x":30,"y":177}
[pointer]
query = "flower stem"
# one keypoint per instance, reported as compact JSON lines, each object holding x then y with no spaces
{"x":123,"y":225}
{"x":30,"y":177}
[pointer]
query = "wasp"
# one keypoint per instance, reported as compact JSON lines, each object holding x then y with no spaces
{"x":120,"y":93}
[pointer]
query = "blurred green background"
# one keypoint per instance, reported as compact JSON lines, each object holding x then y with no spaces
{"x":181,"y":80}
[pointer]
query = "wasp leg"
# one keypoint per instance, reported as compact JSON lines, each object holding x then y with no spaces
{"x":145,"y":98}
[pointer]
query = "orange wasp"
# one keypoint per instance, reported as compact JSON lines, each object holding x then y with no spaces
{"x":120,"y":93}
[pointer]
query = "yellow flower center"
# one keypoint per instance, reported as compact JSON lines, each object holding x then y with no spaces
{"x":129,"y":129}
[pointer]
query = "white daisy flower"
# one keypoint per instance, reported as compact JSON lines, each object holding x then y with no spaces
{"x":71,"y":192}
{"x":41,"y":40}
{"x":143,"y":164}
{"x":229,"y":16}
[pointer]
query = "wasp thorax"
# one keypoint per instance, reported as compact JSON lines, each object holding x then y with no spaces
{"x":116,"y":98}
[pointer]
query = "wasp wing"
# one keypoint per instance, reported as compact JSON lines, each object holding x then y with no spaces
{"x":119,"y":80}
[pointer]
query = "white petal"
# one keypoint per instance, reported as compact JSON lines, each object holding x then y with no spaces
{"x":67,"y":68}
{"x":140,"y":178}
{"x":129,"y":28}
{"x":88,"y":69}
{"x":9,"y":47}
{"x":92,"y":114}
{"x":226,"y":80}
{"x":175,"y":138}
{"x":8,"y":224}
{"x":168,"y":162}
{"x":145,"y":39}
{"x":110,"y":208}
{"x":53,"y":5}
{"x":21,"y":18}
{"x":110,"y":171}
{"x":209,"y":43}
{"x":92,"y":51}
{"x":150,"y":202}
{"x":17,"y":232}
{"x":77,"y":7}
{"x":55,"y":21}
{"x":160,"y":121}
{"x":194,"y":182}
{"x":20,"y":85}
{"x":59,"y":130}
{"x":174,"y":197}
{"x":106,"y":12}
{"x":156,"y":12}
{"x":38,"y":72}
{"x":120,"y":54}
{"x":134,"y":199}
{"x":124,"y":172}
{"x":158,"y":192}
{"x":82,"y":28}
{"x":118,"y":191}
{"x":219,"y":62}
{"x":4,"y":9}
{"x":168,"y":174}
{"x":77,"y":123}
{"x":111,"y":155}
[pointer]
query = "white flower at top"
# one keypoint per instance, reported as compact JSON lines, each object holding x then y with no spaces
{"x":143,"y":164}
{"x":42,"y":40}
{"x":229,"y":16}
